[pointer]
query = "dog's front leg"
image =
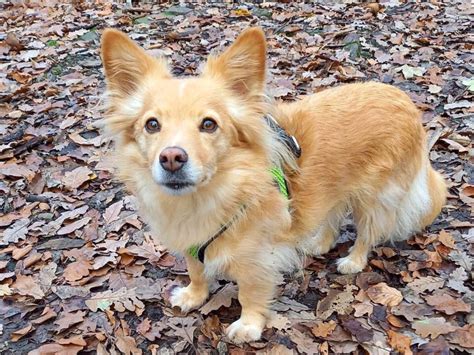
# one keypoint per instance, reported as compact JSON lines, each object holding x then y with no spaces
{"x":256,"y":290}
{"x":196,"y":293}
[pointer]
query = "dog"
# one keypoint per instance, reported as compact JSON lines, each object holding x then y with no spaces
{"x":242,"y":185}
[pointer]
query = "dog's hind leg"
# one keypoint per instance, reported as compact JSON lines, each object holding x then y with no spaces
{"x":325,"y":237}
{"x":368,"y":224}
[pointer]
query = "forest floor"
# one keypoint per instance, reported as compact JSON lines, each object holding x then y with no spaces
{"x":78,"y":271}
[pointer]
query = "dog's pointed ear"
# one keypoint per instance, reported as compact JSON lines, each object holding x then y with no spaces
{"x":126,"y":64}
{"x":242,"y":65}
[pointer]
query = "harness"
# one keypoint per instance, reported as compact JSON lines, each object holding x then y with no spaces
{"x":198,"y":251}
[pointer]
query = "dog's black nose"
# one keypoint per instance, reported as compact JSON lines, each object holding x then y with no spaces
{"x":173,"y":158}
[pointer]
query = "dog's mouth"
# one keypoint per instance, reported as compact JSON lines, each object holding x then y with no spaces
{"x":177,"y":185}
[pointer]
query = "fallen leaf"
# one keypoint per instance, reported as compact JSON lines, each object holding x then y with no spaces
{"x":56,"y":349}
{"x":432,"y":327}
{"x":384,"y":294}
{"x":412,"y":311}
{"x":447,"y":304}
{"x":75,"y":178}
{"x":67,"y":319}
{"x":75,"y":340}
{"x":121,"y":300}
{"x":399,"y":342}
{"x":48,"y":313}
{"x":77,"y":270}
{"x":112,"y":212}
{"x":456,"y":280}
{"x":410,"y":72}
{"x":71,"y":227}
{"x":5,"y":290}
{"x":28,"y":286}
{"x":428,"y":283}
{"x":323,"y":329}
{"x":127,"y":345}
{"x":336,"y":301}
{"x":223,"y":298}
{"x":355,"y":328}
{"x":16,"y":170}
{"x":20,"y":333}
{"x":463,"y":336}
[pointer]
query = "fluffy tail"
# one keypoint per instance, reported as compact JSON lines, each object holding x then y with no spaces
{"x":438,"y":191}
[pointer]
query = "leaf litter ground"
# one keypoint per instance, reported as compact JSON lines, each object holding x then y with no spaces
{"x":78,"y":270}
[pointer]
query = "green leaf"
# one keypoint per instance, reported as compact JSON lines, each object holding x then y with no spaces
{"x":142,"y":20}
{"x":469,"y":83}
{"x":52,"y":43}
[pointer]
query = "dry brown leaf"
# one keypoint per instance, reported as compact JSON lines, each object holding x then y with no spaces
{"x":16,"y":170}
{"x":463,"y":336}
{"x":47,"y":314}
{"x":127,"y":345}
{"x":278,"y":321}
{"x":75,"y":340}
{"x":75,"y":178}
{"x":121,"y":300}
{"x":384,"y":294}
{"x":68,"y":319}
{"x":56,"y":349}
{"x":446,"y":239}
{"x":71,"y":227}
{"x":20,"y":333}
{"x":77,"y":270}
{"x":336,"y":301}
{"x":323,"y":329}
{"x":399,"y":342}
{"x":447,"y":304}
{"x":28,"y":286}
{"x":432,"y":327}
{"x":112,"y":212}
{"x":423,"y":284}
{"x":223,"y":298}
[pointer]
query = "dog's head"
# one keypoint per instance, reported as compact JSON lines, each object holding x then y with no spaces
{"x":185,"y":128}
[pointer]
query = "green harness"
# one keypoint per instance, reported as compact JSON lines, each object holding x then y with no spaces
{"x":198,"y":251}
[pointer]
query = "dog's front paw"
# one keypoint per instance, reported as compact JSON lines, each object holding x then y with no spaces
{"x":188,"y":298}
{"x":348,"y":265}
{"x":244,"y":332}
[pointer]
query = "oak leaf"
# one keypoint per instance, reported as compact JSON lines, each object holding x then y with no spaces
{"x":384,"y":294}
{"x":223,"y":298}
{"x":447,"y":304}
{"x":399,"y":342}
{"x":28,"y":286}
{"x":121,"y":300}
{"x":432,"y":327}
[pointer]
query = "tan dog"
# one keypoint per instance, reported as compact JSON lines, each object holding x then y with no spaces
{"x":197,"y":153}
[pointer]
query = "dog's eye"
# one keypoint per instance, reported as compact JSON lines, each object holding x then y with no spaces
{"x":208,"y":125}
{"x":152,"y":125}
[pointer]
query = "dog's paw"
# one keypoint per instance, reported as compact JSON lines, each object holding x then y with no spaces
{"x":243,"y":332}
{"x":347,"y":265}
{"x":187,"y":298}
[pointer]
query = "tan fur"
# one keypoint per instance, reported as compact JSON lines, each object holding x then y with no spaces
{"x":363,"y":149}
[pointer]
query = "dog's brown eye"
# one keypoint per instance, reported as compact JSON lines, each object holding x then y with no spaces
{"x":152,"y":125}
{"x":208,"y":125}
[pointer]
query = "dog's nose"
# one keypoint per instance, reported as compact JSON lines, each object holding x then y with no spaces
{"x":173,"y":158}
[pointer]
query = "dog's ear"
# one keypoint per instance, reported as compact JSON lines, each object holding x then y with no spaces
{"x":242,"y":65}
{"x":126,"y":64}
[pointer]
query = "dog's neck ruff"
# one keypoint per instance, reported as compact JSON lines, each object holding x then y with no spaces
{"x":198,"y":251}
